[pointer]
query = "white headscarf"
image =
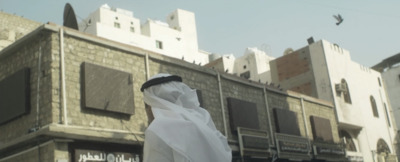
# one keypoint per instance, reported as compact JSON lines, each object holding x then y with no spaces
{"x":182,"y":124}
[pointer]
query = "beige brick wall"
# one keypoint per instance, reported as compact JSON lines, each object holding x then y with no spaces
{"x":247,"y":93}
{"x":27,"y":56}
{"x":315,"y":109}
{"x":14,"y":27}
{"x":78,"y":51}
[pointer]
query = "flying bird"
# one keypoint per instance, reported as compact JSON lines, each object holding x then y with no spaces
{"x":338,"y":18}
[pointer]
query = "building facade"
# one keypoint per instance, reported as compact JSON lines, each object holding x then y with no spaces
{"x":70,"y":96}
{"x":325,"y":71}
{"x":177,"y":37}
{"x":390,"y":70}
{"x":10,"y":31}
{"x":253,"y":65}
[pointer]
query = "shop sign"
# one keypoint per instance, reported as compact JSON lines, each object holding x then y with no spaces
{"x":355,"y":158}
{"x":329,"y":151}
{"x":255,"y":142}
{"x":104,"y":156}
{"x":295,"y":147}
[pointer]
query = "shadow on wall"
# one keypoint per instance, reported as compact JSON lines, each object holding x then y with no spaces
{"x":397,"y":144}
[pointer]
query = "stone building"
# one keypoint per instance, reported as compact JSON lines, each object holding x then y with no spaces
{"x":69,"y":96}
{"x":324,"y":70}
{"x":10,"y":31}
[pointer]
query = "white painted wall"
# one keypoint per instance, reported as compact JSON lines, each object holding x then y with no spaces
{"x":178,"y":35}
{"x":255,"y":61}
{"x":362,"y":82}
{"x":391,"y":78}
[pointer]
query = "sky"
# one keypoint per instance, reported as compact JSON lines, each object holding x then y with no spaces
{"x":370,"y":30}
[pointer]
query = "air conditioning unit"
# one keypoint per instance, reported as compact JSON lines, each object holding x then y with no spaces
{"x":341,"y":87}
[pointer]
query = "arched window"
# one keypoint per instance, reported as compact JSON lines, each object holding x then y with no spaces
{"x":349,"y":143}
{"x":346,"y":93}
{"x":373,"y":106}
{"x":382,"y":147}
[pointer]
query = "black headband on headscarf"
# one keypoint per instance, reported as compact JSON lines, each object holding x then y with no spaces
{"x":160,"y":80}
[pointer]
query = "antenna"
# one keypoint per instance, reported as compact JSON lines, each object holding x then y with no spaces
{"x":266,"y":48}
{"x":69,"y":17}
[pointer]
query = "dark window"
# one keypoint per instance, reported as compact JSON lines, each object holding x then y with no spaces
{"x":379,"y":81}
{"x":346,"y":93}
{"x":117,"y":25}
{"x":242,"y":114}
{"x":382,"y":147}
{"x":15,"y":95}
{"x":159,"y":44}
{"x":244,"y":66}
{"x":387,"y":115}
{"x":107,"y":89}
{"x":321,"y":128}
{"x":399,"y":77}
{"x":348,"y":141}
{"x":373,"y":106}
{"x":245,"y":75}
{"x":286,"y":122}
{"x":132,"y":29}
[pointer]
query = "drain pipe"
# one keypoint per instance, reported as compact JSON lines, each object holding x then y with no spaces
{"x":38,"y":85}
{"x":269,"y":116}
{"x":62,"y":64}
{"x":147,"y":66}
{"x":305,"y":123}
{"x":222,"y":105}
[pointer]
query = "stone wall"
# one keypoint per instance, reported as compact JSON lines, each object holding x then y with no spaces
{"x":14,"y":27}
{"x":26,"y":55}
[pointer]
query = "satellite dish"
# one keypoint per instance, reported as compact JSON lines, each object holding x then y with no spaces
{"x":69,"y":17}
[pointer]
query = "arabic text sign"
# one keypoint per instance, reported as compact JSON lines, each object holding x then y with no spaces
{"x":103,"y":156}
{"x":295,"y":147}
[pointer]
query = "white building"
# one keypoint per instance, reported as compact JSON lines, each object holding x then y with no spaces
{"x":325,"y":71}
{"x":253,"y":65}
{"x":177,"y":37}
{"x":390,"y":69}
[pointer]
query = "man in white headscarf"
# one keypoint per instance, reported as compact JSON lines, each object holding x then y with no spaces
{"x":181,"y":131}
